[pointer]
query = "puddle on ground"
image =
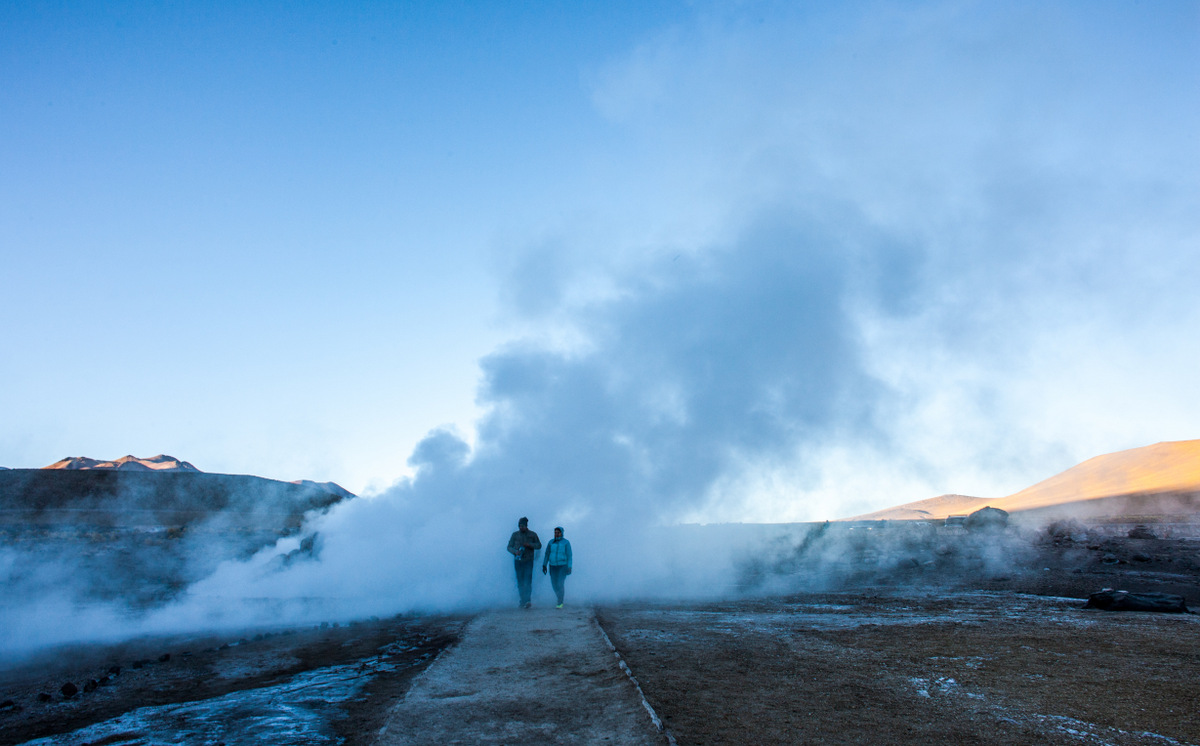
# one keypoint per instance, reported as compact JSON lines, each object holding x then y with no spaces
{"x":298,"y":712}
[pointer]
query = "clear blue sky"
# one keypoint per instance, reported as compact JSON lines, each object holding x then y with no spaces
{"x":861,"y":255}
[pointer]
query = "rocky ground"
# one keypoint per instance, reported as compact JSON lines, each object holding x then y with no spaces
{"x":895,"y":653}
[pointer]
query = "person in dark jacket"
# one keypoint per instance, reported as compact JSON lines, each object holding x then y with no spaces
{"x":523,"y":546}
{"x":558,"y":559}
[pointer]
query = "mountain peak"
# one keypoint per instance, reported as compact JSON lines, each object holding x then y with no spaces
{"x":161,"y":462}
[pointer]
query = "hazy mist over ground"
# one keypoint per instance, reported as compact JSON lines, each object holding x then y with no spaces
{"x":822,"y":261}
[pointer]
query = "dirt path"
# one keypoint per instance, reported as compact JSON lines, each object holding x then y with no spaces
{"x":524,"y":676}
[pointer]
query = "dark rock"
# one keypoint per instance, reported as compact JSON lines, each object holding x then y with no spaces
{"x":104,"y":681}
{"x":1067,"y":530}
{"x":1110,"y":559}
{"x":1140,"y":557}
{"x":7,"y":704}
{"x":1110,"y":600}
{"x":69,"y":690}
{"x":1141,"y":532}
{"x":138,"y":664}
{"x":164,"y":657}
{"x":987,"y":518}
{"x":91,"y":686}
{"x":114,"y":670}
{"x":44,"y":697}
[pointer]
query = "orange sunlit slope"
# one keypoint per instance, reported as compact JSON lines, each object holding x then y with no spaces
{"x":1163,"y":468}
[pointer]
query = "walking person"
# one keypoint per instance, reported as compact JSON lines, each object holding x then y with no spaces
{"x":523,"y":546}
{"x":558,"y":558}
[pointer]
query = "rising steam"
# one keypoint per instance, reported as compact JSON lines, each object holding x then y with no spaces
{"x":896,"y":278}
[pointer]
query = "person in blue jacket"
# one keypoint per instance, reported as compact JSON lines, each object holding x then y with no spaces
{"x":558,"y":558}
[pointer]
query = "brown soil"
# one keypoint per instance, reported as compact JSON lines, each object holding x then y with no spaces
{"x":980,"y":660}
{"x":201,"y":668}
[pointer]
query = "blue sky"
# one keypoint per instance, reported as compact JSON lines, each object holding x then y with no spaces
{"x":791,"y":259}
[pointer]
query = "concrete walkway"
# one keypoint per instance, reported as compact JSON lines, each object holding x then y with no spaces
{"x":537,"y":676}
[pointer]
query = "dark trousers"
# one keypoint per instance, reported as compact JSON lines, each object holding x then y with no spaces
{"x":524,"y":579}
{"x":558,"y":580}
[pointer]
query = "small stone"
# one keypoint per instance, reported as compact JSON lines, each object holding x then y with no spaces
{"x":44,"y":697}
{"x":164,"y":657}
{"x":91,"y":686}
{"x":114,"y":670}
{"x":69,"y":690}
{"x":6,"y":704}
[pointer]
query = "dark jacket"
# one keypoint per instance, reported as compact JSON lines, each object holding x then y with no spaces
{"x":523,"y":545}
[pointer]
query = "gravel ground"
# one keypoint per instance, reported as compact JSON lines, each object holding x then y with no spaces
{"x":939,"y":668}
{"x":907,"y":656}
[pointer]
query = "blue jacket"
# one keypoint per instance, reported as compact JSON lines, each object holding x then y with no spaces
{"x":558,"y":553}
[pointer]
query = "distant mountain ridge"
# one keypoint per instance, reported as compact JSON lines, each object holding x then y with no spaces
{"x":161,"y":462}
{"x":159,"y":490}
{"x":165,"y":463}
{"x":1159,"y":478}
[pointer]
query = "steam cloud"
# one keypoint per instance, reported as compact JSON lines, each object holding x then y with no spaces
{"x":908,"y":257}
{"x":698,"y":367}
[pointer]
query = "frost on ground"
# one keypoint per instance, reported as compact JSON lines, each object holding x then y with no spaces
{"x":886,"y":666}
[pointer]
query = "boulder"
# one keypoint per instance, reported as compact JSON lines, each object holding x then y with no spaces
{"x":987,"y":518}
{"x":69,"y":690}
{"x":1110,"y":600}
